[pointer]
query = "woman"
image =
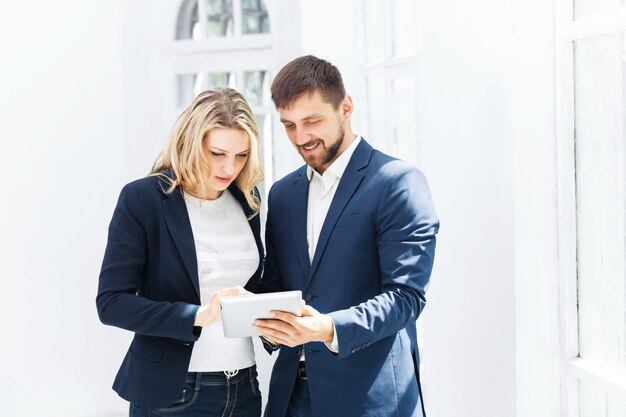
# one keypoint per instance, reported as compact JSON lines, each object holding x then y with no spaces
{"x":179,"y":240}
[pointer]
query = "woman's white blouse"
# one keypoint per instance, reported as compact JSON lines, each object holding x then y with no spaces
{"x":227,"y":256}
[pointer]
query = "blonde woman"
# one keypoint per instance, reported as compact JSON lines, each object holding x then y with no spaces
{"x":179,"y":240}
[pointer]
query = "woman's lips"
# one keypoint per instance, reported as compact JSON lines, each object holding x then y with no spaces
{"x":223,"y":180}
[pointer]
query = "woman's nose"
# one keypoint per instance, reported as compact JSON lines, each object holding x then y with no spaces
{"x":229,"y":167}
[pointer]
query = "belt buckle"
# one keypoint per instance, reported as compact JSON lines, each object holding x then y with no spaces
{"x":230,"y":374}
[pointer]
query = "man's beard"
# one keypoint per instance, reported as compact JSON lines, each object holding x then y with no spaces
{"x":331,"y":152}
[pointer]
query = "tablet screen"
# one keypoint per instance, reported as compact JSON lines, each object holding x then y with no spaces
{"x":239,"y":312}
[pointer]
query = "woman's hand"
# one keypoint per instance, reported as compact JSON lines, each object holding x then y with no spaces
{"x":210,"y":313}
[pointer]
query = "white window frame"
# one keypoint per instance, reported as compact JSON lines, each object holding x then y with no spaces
{"x":574,"y":368}
{"x":390,"y":68}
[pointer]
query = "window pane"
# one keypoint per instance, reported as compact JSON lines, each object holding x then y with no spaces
{"x":196,"y":31}
{"x":255,"y":19}
{"x":600,"y":205}
{"x":374,"y":30}
{"x":187,"y":24}
{"x":221,"y":79}
{"x":189,"y":86}
{"x":404,"y":18}
{"x":403,"y":103}
{"x":256,"y":87}
{"x":262,"y":122}
{"x":584,"y":8}
{"x":219,"y":18}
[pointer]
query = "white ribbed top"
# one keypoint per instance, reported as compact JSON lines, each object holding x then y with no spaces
{"x":227,"y":256}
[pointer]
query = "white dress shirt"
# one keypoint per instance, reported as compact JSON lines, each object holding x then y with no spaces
{"x":322,"y":189}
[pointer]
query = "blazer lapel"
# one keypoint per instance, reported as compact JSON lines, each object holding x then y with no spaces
{"x":179,"y":226}
{"x":348,"y":184}
{"x":299,"y":202}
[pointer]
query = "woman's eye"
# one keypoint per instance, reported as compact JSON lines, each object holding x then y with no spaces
{"x":242,"y":155}
{"x":216,"y":153}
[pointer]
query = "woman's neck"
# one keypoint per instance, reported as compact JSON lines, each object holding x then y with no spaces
{"x":204,"y":194}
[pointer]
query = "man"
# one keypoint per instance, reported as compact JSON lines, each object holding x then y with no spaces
{"x":354,"y":230}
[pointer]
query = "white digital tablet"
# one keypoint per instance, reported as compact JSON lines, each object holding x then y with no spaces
{"x":240,"y":311}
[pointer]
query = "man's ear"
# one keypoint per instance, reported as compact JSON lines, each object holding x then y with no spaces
{"x":346,"y":106}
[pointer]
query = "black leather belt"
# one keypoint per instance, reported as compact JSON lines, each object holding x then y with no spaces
{"x":302,"y":370}
{"x":224,"y":374}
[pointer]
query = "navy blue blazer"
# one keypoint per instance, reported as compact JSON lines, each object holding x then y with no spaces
{"x":371,"y":269}
{"x":149,"y":285}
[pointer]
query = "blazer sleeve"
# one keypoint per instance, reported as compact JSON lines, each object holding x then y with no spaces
{"x":406,"y":228}
{"x":119,"y":299}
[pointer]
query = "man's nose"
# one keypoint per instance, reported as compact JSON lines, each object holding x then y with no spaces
{"x":302,"y":137}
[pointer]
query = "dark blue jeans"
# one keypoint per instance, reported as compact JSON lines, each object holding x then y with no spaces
{"x":212,"y":395}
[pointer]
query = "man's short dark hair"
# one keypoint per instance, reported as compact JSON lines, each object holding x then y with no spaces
{"x":308,"y":74}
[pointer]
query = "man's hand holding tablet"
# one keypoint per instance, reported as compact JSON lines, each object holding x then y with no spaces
{"x":241,"y":311}
{"x":294,"y":330}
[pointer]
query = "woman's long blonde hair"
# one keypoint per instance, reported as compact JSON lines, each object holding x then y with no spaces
{"x":184,"y":153}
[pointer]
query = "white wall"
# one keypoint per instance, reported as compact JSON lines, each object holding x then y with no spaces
{"x":487,"y":126}
{"x":533,"y":124}
{"x":465,"y":130}
{"x":63,"y":127}
{"x":76,"y":128}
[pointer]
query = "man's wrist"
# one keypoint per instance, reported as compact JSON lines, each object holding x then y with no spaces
{"x":329,"y":329}
{"x":332,"y":343}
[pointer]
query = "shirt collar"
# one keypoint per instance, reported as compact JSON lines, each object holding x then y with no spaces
{"x":339,"y":165}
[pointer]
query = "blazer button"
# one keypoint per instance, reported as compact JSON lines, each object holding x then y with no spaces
{"x":308,"y":297}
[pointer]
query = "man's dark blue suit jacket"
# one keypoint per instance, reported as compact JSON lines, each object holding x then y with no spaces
{"x":370,"y":271}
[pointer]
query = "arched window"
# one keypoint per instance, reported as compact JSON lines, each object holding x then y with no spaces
{"x":219,"y":18}
{"x":221,"y":43}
